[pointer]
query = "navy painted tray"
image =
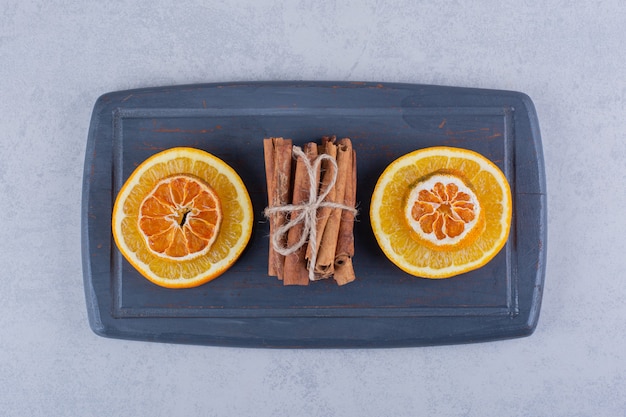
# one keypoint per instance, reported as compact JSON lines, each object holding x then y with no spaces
{"x":385,"y":306}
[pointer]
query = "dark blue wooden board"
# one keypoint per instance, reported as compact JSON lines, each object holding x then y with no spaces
{"x":385,"y":306}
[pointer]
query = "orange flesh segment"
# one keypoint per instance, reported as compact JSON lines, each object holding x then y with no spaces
{"x":442,"y":209}
{"x":180,"y":218}
{"x":445,"y":208}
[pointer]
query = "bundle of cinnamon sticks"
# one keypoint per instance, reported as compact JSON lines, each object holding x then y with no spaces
{"x":289,"y":186}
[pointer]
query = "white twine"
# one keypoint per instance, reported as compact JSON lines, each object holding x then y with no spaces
{"x":307,"y":210}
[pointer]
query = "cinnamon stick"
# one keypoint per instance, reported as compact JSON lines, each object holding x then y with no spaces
{"x":295,"y":270}
{"x":326,"y":254}
{"x":278,"y":173}
{"x":268,"y":154}
{"x":329,"y":148}
{"x":344,"y":270}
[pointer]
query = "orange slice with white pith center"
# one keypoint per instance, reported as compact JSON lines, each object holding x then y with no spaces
{"x":182,"y":218}
{"x":439,"y":212}
{"x":444,"y":212}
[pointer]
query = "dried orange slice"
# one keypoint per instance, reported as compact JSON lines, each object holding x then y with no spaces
{"x":439,"y":212}
{"x":182,"y":218}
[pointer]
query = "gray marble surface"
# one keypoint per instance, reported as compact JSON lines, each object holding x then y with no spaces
{"x":57,"y":57}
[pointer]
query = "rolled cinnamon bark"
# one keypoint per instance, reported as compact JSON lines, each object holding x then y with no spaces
{"x":325,"y":265}
{"x":344,"y":270}
{"x":277,"y":154}
{"x":330,"y":149}
{"x":295,"y":271}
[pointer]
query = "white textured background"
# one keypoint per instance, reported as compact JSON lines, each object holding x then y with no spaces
{"x":57,"y":57}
